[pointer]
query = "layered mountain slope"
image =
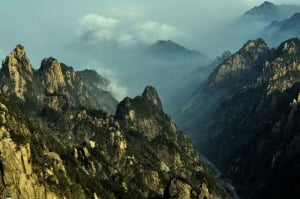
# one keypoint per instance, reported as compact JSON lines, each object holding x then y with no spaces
{"x":233,"y":73}
{"x":284,"y":29}
{"x":263,"y":21}
{"x":51,"y":83}
{"x":98,"y":87}
{"x":61,"y":147}
{"x":253,"y":131}
{"x":268,"y":12}
{"x":176,"y":63}
{"x":189,"y":84}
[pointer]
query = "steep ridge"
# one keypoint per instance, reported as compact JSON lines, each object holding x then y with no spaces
{"x":16,"y":72}
{"x":98,"y":86}
{"x":268,"y":12}
{"x":253,"y":131}
{"x":64,"y":147}
{"x":283,"y":29}
{"x":177,"y":63}
{"x":50,"y":84}
{"x":235,"y":72}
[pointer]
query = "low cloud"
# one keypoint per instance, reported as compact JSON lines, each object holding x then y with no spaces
{"x":114,"y":87}
{"x":96,"y":28}
{"x":118,"y":91}
{"x":151,"y":31}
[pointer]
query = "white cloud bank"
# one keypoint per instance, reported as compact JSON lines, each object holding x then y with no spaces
{"x":115,"y":88}
{"x":96,"y":28}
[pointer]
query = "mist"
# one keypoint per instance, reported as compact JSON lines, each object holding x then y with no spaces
{"x":111,"y":37}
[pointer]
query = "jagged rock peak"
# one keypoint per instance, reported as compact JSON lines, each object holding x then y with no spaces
{"x":255,"y":44}
{"x":226,"y":54}
{"x":151,"y":95}
{"x":290,"y":46}
{"x":19,"y":52}
{"x":91,"y":76}
{"x":48,"y":63}
{"x":53,"y":76}
{"x":254,"y":48}
{"x":145,"y":105}
{"x":17,"y":59}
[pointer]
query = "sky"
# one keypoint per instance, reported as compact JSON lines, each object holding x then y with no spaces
{"x":69,"y":29}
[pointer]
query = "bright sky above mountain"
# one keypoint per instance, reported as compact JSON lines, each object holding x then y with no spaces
{"x":51,"y":24}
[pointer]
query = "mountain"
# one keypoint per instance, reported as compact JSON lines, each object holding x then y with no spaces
{"x":282,"y":30}
{"x":263,"y":21}
{"x":56,"y":140}
{"x":54,"y":83}
{"x":234,"y":72}
{"x":268,"y":12}
{"x":98,"y":87}
{"x":176,"y":63}
{"x":189,"y":84}
{"x":168,"y":48}
{"x":247,"y":119}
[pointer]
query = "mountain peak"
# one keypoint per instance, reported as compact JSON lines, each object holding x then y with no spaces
{"x":18,"y":59}
{"x":94,"y":78}
{"x":48,"y":63}
{"x":295,"y":18}
{"x":144,"y":105}
{"x":151,"y":95}
{"x":239,"y":66}
{"x":168,"y":47}
{"x":257,"y":45}
{"x":290,"y":46}
{"x":19,"y":52}
{"x":266,"y":11}
{"x":17,"y":69}
{"x":53,"y":76}
{"x":168,"y":43}
{"x":266,"y":4}
{"x":296,"y":15}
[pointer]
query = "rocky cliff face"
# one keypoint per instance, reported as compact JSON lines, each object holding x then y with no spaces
{"x":17,"y":72}
{"x":56,"y":143}
{"x":241,"y":66}
{"x":98,"y":86}
{"x":253,"y":130}
{"x":19,"y":176}
{"x":234,"y":73}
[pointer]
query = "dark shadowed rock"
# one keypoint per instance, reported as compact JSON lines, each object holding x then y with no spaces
{"x":252,"y":125}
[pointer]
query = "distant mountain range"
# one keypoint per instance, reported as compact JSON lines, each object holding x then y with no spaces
{"x":280,"y":30}
{"x":272,"y":22}
{"x":177,"y":65}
